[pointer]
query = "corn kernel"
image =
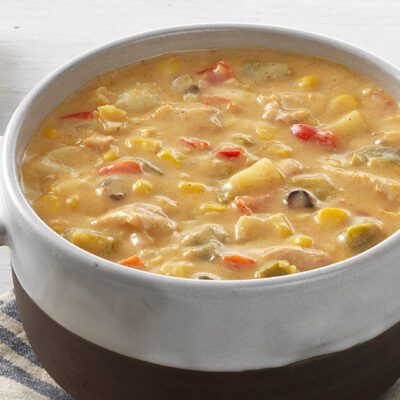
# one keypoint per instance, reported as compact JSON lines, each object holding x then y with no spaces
{"x":281,"y":150}
{"x":192,"y":187}
{"x":73,"y":201}
{"x":331,"y":216}
{"x":111,"y":113}
{"x":51,"y":133}
{"x":308,"y":82}
{"x":170,"y":66}
{"x":168,"y":155}
{"x":103,"y":96}
{"x":142,"y":186}
{"x":144,"y":144}
{"x":265,"y":131}
{"x":213,"y":207}
{"x":48,"y":204}
{"x":111,"y":154}
{"x":301,"y":240}
{"x":282,"y":225}
{"x":344,"y":103}
{"x":65,"y":187}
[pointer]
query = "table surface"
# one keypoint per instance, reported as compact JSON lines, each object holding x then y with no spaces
{"x":37,"y":36}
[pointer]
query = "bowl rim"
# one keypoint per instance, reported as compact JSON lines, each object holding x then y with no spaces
{"x":12,"y":187}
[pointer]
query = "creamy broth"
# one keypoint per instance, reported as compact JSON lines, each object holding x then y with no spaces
{"x":220,"y":164}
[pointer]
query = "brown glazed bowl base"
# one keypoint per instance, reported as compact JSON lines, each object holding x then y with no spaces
{"x":90,"y":372}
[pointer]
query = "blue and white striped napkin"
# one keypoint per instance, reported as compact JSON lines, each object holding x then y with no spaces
{"x":21,"y":375}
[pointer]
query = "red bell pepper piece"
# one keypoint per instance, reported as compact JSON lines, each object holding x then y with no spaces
{"x":236,"y":260}
{"x":218,"y":72}
{"x":122,"y":167}
{"x":229,"y":152}
{"x":132,"y":262}
{"x":308,"y":132}
{"x":218,"y":101}
{"x":80,"y":115}
{"x":195,"y":143}
{"x":242,"y":206}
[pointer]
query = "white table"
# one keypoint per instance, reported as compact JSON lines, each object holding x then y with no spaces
{"x":37,"y":36}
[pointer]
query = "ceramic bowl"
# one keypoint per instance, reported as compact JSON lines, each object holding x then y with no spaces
{"x":108,"y":332}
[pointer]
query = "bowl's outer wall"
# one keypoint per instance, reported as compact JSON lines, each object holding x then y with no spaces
{"x":189,"y":324}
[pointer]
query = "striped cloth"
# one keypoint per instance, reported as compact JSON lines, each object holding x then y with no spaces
{"x":22,"y":377}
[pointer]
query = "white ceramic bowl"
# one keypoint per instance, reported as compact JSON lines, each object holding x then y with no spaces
{"x":183,"y":323}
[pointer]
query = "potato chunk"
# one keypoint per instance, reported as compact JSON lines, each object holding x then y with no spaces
{"x":95,"y":242}
{"x":261,"y":176}
{"x":351,"y":124}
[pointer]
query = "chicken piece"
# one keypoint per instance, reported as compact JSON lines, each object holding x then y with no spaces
{"x":273,"y":110}
{"x":98,"y":142}
{"x":304,"y":259}
{"x":290,"y":167}
{"x":193,"y":118}
{"x":204,"y":234}
{"x":388,"y":187}
{"x":142,"y":217}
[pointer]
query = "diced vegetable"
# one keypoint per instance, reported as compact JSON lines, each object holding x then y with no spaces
{"x":320,"y":185}
{"x":111,"y":113}
{"x":331,"y":217}
{"x":142,"y":186}
{"x":169,"y":155}
{"x":207,"y":251}
{"x":250,"y":227}
{"x":308,"y":82}
{"x":218,"y":73}
{"x":280,"y":149}
{"x":195,"y":143}
{"x":243,"y":207}
{"x":281,"y":224}
{"x":301,"y":240}
{"x":95,"y":242}
{"x":132,"y":262}
{"x":276,"y":268}
{"x":307,"y":132}
{"x":112,"y":154}
{"x":266,"y":131}
{"x":344,"y":103}
{"x":122,"y":167}
{"x":192,"y":187}
{"x":238,"y":261}
{"x":144,"y":144}
{"x":360,"y":234}
{"x":204,"y":234}
{"x":80,"y":115}
{"x":48,"y":204}
{"x":300,"y":199}
{"x":380,"y":153}
{"x":140,"y":98}
{"x":245,"y":140}
{"x":229,"y":152}
{"x":262,"y":175}
{"x":350,"y":125}
{"x":261,"y":71}
{"x":179,"y":269}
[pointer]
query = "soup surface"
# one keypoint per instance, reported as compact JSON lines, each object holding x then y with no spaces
{"x":220,"y":164}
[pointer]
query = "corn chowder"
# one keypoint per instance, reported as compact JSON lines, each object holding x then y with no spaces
{"x":220,"y":164}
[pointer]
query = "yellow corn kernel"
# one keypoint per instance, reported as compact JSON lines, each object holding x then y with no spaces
{"x":266,"y":131}
{"x":281,"y":150}
{"x":111,"y":113}
{"x":111,"y":154}
{"x":48,"y":204}
{"x":65,"y":187}
{"x":144,"y":144}
{"x":301,"y":240}
{"x":192,"y":187}
{"x":213,"y":207}
{"x":308,"y":82}
{"x":276,"y":268}
{"x":330,"y":217}
{"x":180,"y":269}
{"x":168,"y":155}
{"x":344,"y":103}
{"x":51,"y":133}
{"x":73,"y":201}
{"x":142,"y":186}
{"x":282,"y":225}
{"x":170,"y":66}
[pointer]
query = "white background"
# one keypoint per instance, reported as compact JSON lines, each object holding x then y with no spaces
{"x":36,"y":36}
